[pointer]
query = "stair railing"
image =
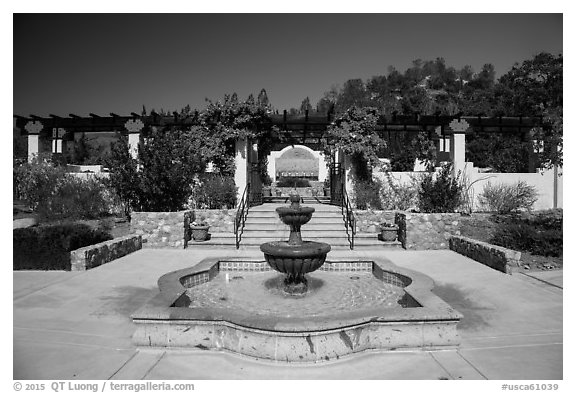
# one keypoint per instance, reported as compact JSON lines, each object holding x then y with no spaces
{"x":348,"y":216}
{"x":241,"y":214}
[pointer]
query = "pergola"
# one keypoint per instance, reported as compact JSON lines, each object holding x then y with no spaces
{"x":300,"y":129}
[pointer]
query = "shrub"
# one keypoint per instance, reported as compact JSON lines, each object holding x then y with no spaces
{"x":539,"y":234}
{"x":506,"y":198}
{"x":75,"y":198}
{"x":35,"y":182}
{"x":54,"y":194}
{"x":292,"y":182}
{"x":367,"y":194}
{"x":48,"y":247}
{"x":167,"y":164}
{"x":440,"y":192}
{"x":398,"y":196}
{"x":215,"y":191}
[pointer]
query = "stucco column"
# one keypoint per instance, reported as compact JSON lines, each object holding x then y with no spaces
{"x":33,"y":128}
{"x":322,"y":168}
{"x":458,"y":144}
{"x":241,"y":163}
{"x":272,"y":165}
{"x":134,"y":126}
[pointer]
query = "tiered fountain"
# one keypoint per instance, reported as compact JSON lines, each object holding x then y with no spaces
{"x":347,"y":305}
{"x":295,"y":257}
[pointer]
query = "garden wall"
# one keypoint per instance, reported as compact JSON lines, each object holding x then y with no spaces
{"x":159,"y":229}
{"x":166,"y":229}
{"x":496,"y":257}
{"x":418,"y":231}
{"x":98,"y":254}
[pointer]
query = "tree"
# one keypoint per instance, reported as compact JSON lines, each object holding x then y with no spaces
{"x":160,"y":178}
{"x":263,"y":99}
{"x":353,"y":93}
{"x":305,"y":105}
{"x":354,"y":133}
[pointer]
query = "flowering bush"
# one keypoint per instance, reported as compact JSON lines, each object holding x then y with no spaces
{"x":506,"y":198}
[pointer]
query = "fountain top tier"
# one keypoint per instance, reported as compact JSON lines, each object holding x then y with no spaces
{"x":295,"y":257}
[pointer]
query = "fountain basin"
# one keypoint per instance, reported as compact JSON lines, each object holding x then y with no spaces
{"x":293,"y":216}
{"x":289,"y":259}
{"x":167,"y":321}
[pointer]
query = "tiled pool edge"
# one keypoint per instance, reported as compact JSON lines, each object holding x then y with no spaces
{"x":431,"y":326}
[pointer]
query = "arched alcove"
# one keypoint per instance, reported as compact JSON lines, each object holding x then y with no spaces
{"x":297,"y":161}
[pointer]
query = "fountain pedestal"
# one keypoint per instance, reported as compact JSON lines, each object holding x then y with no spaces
{"x":295,"y":257}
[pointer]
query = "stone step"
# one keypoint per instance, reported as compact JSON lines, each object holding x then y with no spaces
{"x":264,"y":214}
{"x":280,"y":226}
{"x":229,"y":241}
{"x":316,"y":206}
{"x":306,"y":199}
{"x":314,"y":221}
{"x":336,"y":232}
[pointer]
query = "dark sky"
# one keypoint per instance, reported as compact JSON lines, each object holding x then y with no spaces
{"x":105,"y":63}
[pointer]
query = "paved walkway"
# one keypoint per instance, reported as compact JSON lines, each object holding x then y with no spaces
{"x":76,"y":325}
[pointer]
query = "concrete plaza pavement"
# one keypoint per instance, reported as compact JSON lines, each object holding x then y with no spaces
{"x":76,"y":325}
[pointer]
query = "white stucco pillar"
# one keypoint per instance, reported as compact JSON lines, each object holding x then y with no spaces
{"x":134,"y":126}
{"x":33,"y":128}
{"x":241,"y":162}
{"x":322,"y":168}
{"x":272,"y":165}
{"x":458,"y":144}
{"x":133,"y":142}
{"x":33,"y":146}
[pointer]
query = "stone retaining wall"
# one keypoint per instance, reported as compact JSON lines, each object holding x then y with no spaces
{"x":496,"y":257}
{"x":368,"y":221}
{"x":220,"y":220}
{"x":166,"y":229}
{"x":98,"y":254}
{"x":159,"y":229}
{"x":417,"y":231}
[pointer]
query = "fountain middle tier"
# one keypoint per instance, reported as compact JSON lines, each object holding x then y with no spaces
{"x":295,"y":260}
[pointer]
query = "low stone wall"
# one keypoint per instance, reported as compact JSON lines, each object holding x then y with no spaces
{"x":368,"y":221}
{"x":166,"y":229}
{"x":431,"y":231}
{"x":417,"y":231}
{"x":98,"y":254}
{"x":159,"y":229}
{"x":496,"y":257}
{"x":220,"y":220}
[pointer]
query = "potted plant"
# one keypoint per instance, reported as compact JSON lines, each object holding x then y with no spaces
{"x":388,"y":231}
{"x":199,"y":231}
{"x":266,"y":191}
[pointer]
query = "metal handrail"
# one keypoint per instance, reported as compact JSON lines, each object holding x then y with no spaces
{"x":241,"y":214}
{"x":348,"y":216}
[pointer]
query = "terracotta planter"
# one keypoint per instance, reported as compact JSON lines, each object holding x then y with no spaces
{"x":389,"y":234}
{"x":200,"y":233}
{"x":266,"y":192}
